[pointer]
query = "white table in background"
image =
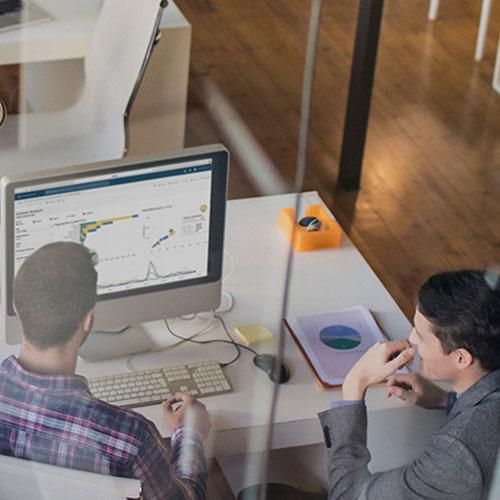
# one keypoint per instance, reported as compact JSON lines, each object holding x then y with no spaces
{"x":52,"y":55}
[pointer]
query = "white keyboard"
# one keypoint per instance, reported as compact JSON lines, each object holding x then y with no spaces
{"x":149,"y":387}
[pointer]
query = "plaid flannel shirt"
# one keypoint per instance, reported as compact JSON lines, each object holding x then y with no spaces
{"x":54,"y":419}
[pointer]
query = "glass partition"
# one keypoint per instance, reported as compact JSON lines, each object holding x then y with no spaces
{"x":363,"y":157}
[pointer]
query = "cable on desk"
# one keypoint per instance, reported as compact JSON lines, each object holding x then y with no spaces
{"x":189,"y":339}
{"x":214,"y":341}
{"x":113,"y":331}
{"x":233,"y":266}
{"x":243,"y":346}
{"x":128,"y":363}
{"x":229,"y":299}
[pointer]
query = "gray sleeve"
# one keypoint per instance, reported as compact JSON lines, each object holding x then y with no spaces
{"x":344,"y":430}
{"x":446,"y":470}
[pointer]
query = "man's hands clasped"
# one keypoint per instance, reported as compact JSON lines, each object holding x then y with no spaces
{"x":380,"y":361}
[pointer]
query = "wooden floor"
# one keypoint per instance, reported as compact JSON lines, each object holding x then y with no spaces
{"x":217,"y":487}
{"x":431,"y":184}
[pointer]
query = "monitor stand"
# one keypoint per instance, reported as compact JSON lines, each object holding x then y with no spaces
{"x":105,"y":345}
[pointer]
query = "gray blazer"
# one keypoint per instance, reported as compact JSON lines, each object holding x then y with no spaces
{"x":458,"y":462}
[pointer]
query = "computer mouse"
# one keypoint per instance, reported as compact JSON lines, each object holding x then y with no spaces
{"x":277,"y":371}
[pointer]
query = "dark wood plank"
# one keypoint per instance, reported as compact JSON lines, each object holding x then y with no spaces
{"x":217,"y":487}
{"x":9,"y":87}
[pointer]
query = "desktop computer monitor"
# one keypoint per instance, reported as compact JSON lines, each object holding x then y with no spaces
{"x":156,"y":224}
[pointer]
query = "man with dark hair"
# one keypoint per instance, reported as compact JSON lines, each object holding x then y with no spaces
{"x":54,"y":289}
{"x":47,"y":413}
{"x":457,"y":338}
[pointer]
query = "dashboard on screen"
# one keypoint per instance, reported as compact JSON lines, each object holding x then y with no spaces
{"x":153,"y":225}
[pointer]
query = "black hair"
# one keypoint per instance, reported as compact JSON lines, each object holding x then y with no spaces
{"x":54,"y":289}
{"x":464,"y":309}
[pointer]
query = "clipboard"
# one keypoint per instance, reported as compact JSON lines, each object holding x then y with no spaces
{"x":332,"y":342}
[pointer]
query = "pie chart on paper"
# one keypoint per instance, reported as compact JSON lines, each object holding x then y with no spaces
{"x":340,"y":337}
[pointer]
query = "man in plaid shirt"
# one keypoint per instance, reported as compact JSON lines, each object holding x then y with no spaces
{"x":47,"y":413}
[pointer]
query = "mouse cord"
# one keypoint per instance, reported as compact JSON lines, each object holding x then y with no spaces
{"x":128,"y":363}
{"x":202,"y":342}
{"x":236,"y":344}
{"x":121,"y":330}
{"x":214,"y":341}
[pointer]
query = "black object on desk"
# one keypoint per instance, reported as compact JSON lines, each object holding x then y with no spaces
{"x":276,"y":370}
{"x":310,"y":223}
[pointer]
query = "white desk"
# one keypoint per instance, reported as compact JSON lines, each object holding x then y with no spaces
{"x":66,"y":36}
{"x":322,"y":281}
{"x":52,"y":53}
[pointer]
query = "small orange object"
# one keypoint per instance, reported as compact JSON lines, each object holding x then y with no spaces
{"x":302,"y":240}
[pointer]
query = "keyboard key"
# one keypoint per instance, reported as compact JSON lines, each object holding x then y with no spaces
{"x":149,"y":387}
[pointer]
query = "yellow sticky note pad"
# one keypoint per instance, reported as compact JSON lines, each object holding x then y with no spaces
{"x":250,"y":334}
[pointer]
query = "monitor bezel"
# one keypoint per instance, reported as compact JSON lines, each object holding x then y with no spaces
{"x":218,"y":196}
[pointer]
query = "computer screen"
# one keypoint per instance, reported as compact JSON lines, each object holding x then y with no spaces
{"x":156,"y":225}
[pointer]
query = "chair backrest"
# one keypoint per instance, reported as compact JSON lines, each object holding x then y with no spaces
{"x":119,"y":48}
{"x":25,"y":480}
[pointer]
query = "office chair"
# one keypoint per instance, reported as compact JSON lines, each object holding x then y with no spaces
{"x":95,"y":128}
{"x":26,"y":480}
{"x":483,"y":24}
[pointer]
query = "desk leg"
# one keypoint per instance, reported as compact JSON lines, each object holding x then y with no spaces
{"x":360,"y":92}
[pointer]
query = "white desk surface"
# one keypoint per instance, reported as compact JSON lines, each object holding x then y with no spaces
{"x":323,"y":280}
{"x":66,"y":35}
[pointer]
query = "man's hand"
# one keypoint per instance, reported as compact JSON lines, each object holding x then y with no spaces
{"x":380,"y":361}
{"x":416,"y":389}
{"x":183,"y":410}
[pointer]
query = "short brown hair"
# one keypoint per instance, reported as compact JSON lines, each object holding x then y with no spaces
{"x":53,"y":290}
{"x":464,"y":309}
